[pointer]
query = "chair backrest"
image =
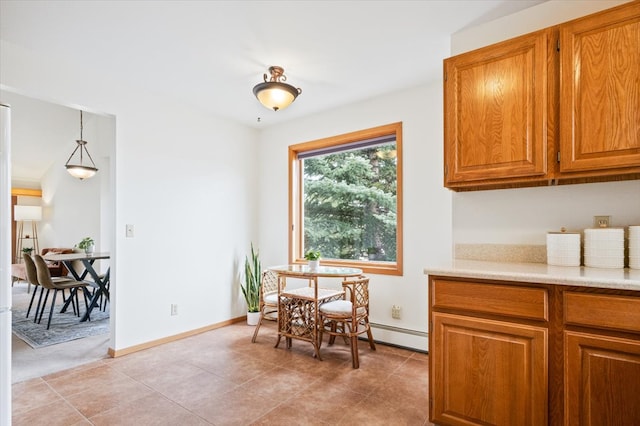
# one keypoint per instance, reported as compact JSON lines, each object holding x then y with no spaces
{"x":357,"y":291}
{"x":44,"y":275}
{"x":30,"y":270}
{"x":269,"y":282}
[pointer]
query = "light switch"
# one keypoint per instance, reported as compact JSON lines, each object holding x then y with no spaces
{"x":129,"y":232}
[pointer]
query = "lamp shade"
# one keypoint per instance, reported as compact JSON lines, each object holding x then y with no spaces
{"x":275,"y":96}
{"x":22,"y":213}
{"x":273,"y":93}
{"x":81,"y":172}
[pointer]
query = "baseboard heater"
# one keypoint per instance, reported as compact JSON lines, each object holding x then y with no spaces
{"x":401,"y":337}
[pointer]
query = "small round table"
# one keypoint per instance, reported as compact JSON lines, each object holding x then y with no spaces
{"x":298,"y":308}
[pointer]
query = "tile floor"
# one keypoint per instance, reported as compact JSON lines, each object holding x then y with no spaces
{"x":221,"y":378}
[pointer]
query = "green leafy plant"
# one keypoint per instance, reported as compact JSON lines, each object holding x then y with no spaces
{"x":312,"y":255}
{"x":27,"y":250}
{"x":251,"y":287}
{"x":85,"y":243}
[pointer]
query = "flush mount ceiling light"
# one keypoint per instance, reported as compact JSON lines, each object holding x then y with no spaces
{"x":81,"y":170}
{"x":273,"y":93}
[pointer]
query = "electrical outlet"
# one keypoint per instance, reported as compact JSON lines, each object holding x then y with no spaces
{"x":395,"y":311}
{"x":174,"y":309}
{"x":601,"y":221}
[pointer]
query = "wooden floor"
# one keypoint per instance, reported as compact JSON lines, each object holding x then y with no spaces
{"x":221,"y":378}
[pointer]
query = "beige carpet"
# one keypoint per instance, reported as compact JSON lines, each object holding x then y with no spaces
{"x":28,"y":363}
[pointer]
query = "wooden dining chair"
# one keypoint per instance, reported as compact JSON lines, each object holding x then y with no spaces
{"x":348,"y":317}
{"x":268,"y":300}
{"x":45,"y":280}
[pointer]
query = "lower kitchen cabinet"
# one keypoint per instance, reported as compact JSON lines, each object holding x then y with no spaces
{"x":602,"y":380}
{"x":491,"y":372}
{"x":511,"y":353}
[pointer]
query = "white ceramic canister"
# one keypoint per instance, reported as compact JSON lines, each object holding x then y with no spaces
{"x":634,"y":246}
{"x":563,"y":248}
{"x":604,"y":247}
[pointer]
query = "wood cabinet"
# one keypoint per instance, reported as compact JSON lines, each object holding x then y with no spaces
{"x":509,"y":353}
{"x":602,"y":367}
{"x":495,"y":116}
{"x":491,"y":372}
{"x":488,"y":359}
{"x":602,"y":380}
{"x":560,"y":105}
{"x":600,"y":92}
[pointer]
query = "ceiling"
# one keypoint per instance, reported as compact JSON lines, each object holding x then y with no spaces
{"x":210,"y":54}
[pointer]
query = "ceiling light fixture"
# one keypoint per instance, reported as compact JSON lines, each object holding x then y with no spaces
{"x":273,"y":93}
{"x":81,"y":171}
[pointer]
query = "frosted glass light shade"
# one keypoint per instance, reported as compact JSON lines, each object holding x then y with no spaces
{"x":22,"y":213}
{"x":275,"y":96}
{"x":81,"y":172}
{"x":273,"y":93}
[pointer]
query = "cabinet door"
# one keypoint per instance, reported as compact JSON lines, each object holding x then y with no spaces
{"x":487,"y":372}
{"x":602,"y":380}
{"x":495,"y":111}
{"x":600,"y":92}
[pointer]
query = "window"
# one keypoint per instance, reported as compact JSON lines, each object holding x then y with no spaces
{"x":345,"y":199}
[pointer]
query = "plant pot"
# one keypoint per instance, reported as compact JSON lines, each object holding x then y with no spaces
{"x":253,"y":318}
{"x":89,"y":249}
{"x":314,"y":264}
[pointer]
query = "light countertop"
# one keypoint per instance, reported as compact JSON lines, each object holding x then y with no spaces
{"x":620,"y":279}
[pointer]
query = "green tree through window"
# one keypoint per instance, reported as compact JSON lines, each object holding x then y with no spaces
{"x":349,"y":200}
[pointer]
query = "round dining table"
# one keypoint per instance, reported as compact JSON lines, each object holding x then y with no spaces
{"x":298,"y":307}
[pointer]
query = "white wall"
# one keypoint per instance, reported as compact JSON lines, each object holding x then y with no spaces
{"x":524,"y":216}
{"x":186,"y":180}
{"x":427,"y":205}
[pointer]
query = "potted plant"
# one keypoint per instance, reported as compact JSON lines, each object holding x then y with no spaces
{"x":27,"y":250}
{"x":87,"y":244}
{"x":251,"y":287}
{"x":313,"y":256}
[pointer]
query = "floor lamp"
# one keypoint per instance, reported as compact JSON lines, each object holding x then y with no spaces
{"x":22,"y":214}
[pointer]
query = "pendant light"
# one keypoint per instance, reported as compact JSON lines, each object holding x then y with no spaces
{"x":81,"y":171}
{"x":273,"y":93}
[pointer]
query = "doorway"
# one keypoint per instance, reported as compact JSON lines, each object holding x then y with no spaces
{"x":40,"y":127}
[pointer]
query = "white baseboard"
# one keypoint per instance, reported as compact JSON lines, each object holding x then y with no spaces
{"x":411,"y":339}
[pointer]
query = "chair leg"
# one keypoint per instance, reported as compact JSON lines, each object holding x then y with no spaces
{"x":33,"y":296}
{"x":106,"y":298}
{"x":85,"y":293}
{"x":323,"y":322}
{"x":53,"y":304}
{"x":255,"y":333}
{"x":332,"y":337}
{"x":372,"y":344}
{"x":72,"y":291}
{"x":39,"y":303}
{"x":354,"y":351}
{"x":44,"y":304}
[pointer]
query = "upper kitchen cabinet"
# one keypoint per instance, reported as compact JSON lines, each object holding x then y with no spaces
{"x":560,"y":105}
{"x":600,"y":93}
{"x":496,"y":113}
